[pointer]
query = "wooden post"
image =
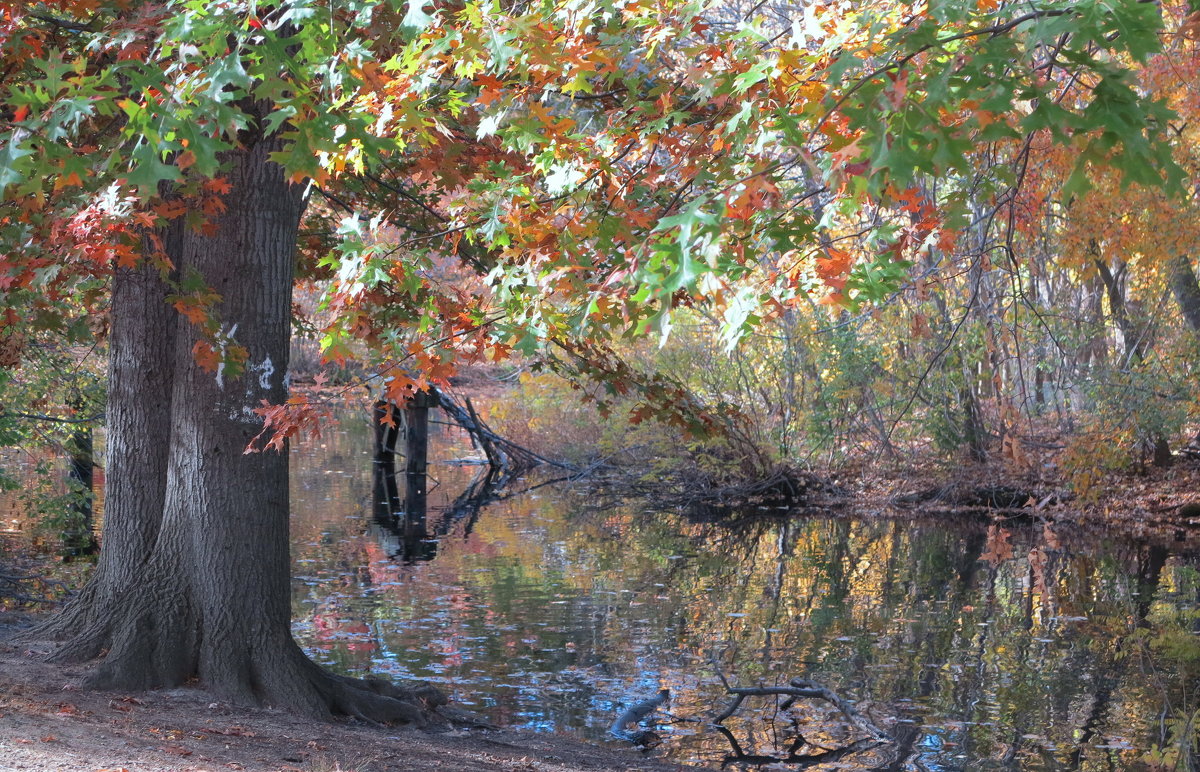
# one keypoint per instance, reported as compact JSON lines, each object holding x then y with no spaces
{"x":416,"y":452}
{"x":386,"y":494}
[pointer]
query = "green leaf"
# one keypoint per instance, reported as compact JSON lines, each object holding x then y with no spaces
{"x":416,"y":19}
{"x":147,"y":170}
{"x":12,"y":169}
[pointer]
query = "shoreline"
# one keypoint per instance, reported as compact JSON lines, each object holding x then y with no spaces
{"x":48,"y":724}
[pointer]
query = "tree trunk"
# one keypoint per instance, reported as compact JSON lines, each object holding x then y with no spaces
{"x":1186,"y":289}
{"x":217,"y":605}
{"x":194,"y":580}
{"x":1133,"y":328}
{"x":142,"y":327}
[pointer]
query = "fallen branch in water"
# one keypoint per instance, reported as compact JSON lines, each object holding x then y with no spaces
{"x":634,"y":714}
{"x":500,"y":451}
{"x":800,"y":688}
{"x":813,"y":689}
{"x":794,"y":759}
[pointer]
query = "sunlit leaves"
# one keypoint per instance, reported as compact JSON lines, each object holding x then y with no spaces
{"x":589,"y":167}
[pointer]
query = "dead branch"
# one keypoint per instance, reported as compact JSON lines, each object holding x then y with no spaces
{"x":636,"y":713}
{"x":845,"y":707}
{"x":500,"y":451}
{"x":793,"y":758}
{"x":800,"y":688}
{"x":14,"y":587}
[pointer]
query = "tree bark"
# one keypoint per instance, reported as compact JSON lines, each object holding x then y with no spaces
{"x":78,"y":537}
{"x":194,"y":578}
{"x":216,"y":602}
{"x":142,"y":329}
{"x":1186,"y":289}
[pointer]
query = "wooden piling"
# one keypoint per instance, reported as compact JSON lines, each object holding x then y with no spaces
{"x":416,"y":452}
{"x":385,"y":419}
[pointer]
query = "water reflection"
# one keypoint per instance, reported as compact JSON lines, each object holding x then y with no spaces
{"x":977,"y":647}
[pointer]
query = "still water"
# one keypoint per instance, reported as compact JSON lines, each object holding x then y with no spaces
{"x":977,"y":647}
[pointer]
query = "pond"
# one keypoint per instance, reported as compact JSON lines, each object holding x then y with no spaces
{"x":976,"y":646}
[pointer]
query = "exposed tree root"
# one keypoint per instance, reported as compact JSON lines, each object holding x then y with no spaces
{"x":623,"y":727}
{"x":67,"y":621}
{"x":157,"y":645}
{"x":380,"y":701}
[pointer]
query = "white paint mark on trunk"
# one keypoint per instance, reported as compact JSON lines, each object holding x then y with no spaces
{"x":265,"y":371}
{"x":223,"y":339}
{"x":246,"y":416}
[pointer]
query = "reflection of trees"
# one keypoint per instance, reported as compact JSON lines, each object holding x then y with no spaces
{"x":547,"y":613}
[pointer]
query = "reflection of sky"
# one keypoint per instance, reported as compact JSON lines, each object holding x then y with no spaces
{"x":542,"y":615}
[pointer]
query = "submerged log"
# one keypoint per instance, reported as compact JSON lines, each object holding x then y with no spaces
{"x":799,"y":688}
{"x":634,"y":715}
{"x":701,"y":499}
{"x":989,"y":501}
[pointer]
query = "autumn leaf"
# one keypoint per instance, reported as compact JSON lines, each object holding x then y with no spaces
{"x":834,"y":267}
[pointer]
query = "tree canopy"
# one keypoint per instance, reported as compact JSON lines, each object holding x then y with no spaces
{"x":597,"y":164}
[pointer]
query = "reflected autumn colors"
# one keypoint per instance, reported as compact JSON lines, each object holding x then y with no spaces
{"x":976,"y":646}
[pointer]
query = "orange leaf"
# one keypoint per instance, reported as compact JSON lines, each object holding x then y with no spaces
{"x":489,"y":88}
{"x":71,"y":180}
{"x":833,"y":268}
{"x":206,"y":356}
{"x":193,"y":311}
{"x":218,"y":185}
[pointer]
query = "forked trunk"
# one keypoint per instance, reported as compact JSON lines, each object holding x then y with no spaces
{"x":217,"y":600}
{"x":194,"y":574}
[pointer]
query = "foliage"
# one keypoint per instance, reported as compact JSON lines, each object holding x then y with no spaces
{"x":894,"y":195}
{"x":45,"y":402}
{"x":1173,"y":647}
{"x":545,"y":414}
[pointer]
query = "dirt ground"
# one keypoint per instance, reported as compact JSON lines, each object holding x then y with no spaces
{"x":49,"y":725}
